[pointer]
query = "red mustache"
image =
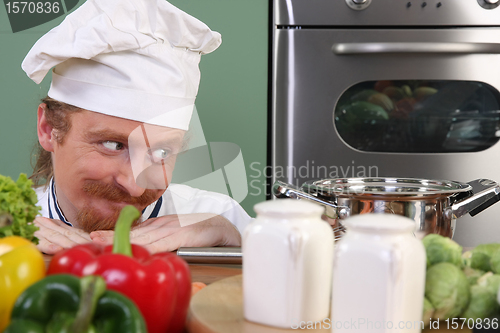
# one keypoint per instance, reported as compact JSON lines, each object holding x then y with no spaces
{"x":90,"y":220}
{"x":115,"y":194}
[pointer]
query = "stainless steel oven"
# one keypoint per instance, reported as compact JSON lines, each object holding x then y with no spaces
{"x":388,"y":88}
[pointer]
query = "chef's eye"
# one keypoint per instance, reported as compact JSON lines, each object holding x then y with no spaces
{"x":159,"y":155}
{"x":112,"y":145}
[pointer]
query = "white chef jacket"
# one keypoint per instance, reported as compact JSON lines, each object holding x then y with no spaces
{"x":177,"y":199}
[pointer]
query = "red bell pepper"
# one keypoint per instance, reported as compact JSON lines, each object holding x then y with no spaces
{"x":159,"y":284}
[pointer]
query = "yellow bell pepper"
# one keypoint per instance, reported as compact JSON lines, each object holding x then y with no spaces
{"x":21,"y":265}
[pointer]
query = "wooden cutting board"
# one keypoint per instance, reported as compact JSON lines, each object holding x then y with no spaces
{"x":218,"y":308}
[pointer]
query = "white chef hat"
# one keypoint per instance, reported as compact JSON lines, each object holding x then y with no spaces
{"x":134,"y":59}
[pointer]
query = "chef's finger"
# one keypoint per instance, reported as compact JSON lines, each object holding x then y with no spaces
{"x":163,"y":245}
{"x":144,"y":223}
{"x":159,"y":228}
{"x":158,"y":221}
{"x":47,"y":247}
{"x":102,"y":233}
{"x":149,"y":235}
{"x":54,"y":236}
{"x":103,"y":241}
{"x":140,"y":236}
{"x":51,"y":229}
{"x":190,"y":236}
{"x":152,"y":229}
{"x":80,"y":232}
{"x":184,"y":237}
{"x":104,"y":237}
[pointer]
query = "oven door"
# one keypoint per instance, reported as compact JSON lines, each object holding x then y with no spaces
{"x":447,"y":129}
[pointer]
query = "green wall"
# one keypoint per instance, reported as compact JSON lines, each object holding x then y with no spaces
{"x":232,"y":101}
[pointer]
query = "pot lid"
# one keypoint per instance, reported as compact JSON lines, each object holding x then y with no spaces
{"x":385,"y":186}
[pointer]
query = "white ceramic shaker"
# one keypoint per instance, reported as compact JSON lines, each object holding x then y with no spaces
{"x":287,"y":264}
{"x":378,"y":276}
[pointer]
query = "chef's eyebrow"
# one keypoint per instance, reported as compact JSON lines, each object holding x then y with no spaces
{"x":107,"y":135}
{"x":155,"y":139}
{"x":173,"y":141}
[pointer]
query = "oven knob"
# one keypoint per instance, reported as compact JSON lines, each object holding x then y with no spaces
{"x":489,"y":4}
{"x":358,"y":4}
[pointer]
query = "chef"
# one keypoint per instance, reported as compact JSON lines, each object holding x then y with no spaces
{"x":124,"y":79}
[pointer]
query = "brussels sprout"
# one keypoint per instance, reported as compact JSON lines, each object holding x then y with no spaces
{"x":481,"y":255}
{"x":494,"y":283}
{"x":481,"y":261}
{"x":483,"y":303}
{"x":472,"y":274}
{"x":483,"y":297}
{"x":495,"y":262}
{"x":428,"y":312}
{"x":447,"y":289}
{"x":483,"y":279}
{"x":442,"y":249}
{"x":490,"y":281}
{"x":487,"y":248}
{"x":467,"y":258}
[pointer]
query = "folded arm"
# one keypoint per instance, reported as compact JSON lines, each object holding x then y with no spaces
{"x":168,"y":233}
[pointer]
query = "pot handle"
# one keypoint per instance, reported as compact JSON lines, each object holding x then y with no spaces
{"x":285,"y":190}
{"x":485,"y":193}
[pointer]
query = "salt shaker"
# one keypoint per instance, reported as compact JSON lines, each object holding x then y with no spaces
{"x":287,"y":264}
{"x":378,"y":276}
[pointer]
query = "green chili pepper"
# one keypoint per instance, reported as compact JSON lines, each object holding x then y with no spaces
{"x":66,"y":304}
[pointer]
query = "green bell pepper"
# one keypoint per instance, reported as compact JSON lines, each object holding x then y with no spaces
{"x":66,"y":304}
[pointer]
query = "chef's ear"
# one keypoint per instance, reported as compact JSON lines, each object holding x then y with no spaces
{"x":44,"y":130}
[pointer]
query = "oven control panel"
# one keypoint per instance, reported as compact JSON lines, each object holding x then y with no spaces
{"x":363,"y":4}
{"x":387,"y":13}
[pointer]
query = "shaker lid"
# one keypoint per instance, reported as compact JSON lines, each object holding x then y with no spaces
{"x":288,"y":207}
{"x":380,"y":222}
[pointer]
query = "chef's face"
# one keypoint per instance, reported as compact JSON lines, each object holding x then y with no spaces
{"x":105,"y":163}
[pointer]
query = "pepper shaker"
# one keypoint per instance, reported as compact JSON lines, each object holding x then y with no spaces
{"x":287,"y":264}
{"x":378,"y":276}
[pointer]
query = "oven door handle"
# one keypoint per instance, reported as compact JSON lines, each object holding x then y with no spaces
{"x":444,"y":48}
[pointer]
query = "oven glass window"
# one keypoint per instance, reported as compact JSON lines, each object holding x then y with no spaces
{"x":419,"y":116}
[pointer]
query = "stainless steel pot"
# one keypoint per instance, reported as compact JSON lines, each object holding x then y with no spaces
{"x":434,"y":205}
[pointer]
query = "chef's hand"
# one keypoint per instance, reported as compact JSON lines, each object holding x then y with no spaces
{"x":165,"y":233}
{"x":55,"y":235}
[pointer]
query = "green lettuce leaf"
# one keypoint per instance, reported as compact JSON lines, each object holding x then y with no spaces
{"x":18,"y":208}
